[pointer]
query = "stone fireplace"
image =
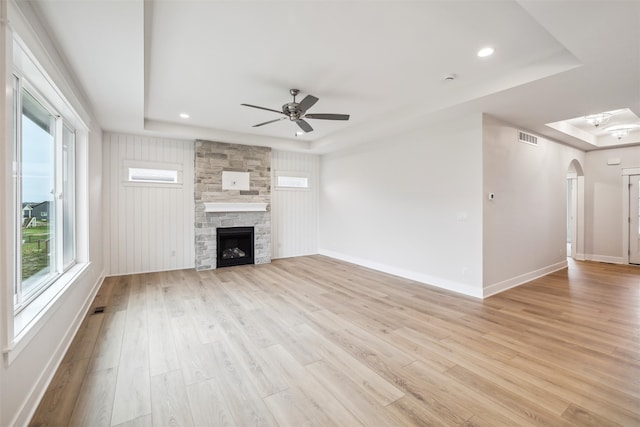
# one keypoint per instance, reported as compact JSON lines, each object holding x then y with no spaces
{"x":221,"y":206}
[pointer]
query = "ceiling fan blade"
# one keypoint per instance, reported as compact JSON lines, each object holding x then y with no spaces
{"x":307,"y":103}
{"x":327,"y":116}
{"x":304,"y":125}
{"x":270,"y":121}
{"x":262,"y":108}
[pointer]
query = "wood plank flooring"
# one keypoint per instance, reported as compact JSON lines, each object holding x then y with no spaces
{"x":312,"y":341}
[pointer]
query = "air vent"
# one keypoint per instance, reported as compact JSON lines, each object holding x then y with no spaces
{"x":527,"y":138}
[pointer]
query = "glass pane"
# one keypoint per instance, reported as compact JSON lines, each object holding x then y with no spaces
{"x":37,"y":182}
{"x":68,"y":197}
{"x":153,"y":175}
{"x":292,"y":181}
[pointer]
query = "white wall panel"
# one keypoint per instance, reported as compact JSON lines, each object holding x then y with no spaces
{"x":294,"y":213}
{"x":410,"y":204}
{"x":35,"y":356}
{"x":524,"y":227}
{"x":147,"y":227}
{"x":604,"y":197}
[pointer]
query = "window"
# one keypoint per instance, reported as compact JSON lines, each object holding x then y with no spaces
{"x":159,"y":174}
{"x":292,"y":180}
{"x":153,"y":175}
{"x":45,"y":181}
{"x":44,"y":151}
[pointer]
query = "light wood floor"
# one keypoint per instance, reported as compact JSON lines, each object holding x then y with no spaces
{"x":315,"y":342}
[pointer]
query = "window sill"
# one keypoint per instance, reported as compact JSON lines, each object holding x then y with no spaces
{"x":30,"y":320}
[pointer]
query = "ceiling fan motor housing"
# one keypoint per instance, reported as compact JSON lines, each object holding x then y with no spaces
{"x":291,"y":109}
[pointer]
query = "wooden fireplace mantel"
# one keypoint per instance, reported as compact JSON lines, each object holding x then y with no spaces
{"x":235,"y":207}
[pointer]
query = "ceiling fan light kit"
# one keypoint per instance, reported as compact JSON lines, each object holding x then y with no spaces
{"x":297,"y":112}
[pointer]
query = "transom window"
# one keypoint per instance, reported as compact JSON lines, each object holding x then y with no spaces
{"x":153,"y":175}
{"x":291,"y":180}
{"x":156,"y":174}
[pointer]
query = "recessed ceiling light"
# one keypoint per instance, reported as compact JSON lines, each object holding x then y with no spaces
{"x":184,"y":115}
{"x":299,"y":133}
{"x":485,"y":51}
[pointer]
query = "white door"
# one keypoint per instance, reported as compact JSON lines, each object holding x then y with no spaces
{"x":634,"y":219}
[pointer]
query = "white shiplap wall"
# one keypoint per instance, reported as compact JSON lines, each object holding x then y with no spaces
{"x":147,"y":228}
{"x":294,"y":213}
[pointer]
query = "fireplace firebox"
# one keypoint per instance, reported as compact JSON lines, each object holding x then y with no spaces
{"x":235,"y":246}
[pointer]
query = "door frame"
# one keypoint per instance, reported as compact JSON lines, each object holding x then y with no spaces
{"x":575,"y":171}
{"x":626,"y":180}
{"x":572,"y":212}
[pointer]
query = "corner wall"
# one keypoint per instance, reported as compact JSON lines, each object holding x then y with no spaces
{"x":604,"y":195}
{"x":294,"y":212}
{"x":24,"y":380}
{"x":524,"y":227}
{"x":147,"y":227}
{"x":409,"y":205}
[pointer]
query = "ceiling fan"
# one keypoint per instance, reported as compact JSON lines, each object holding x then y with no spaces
{"x":297,"y":112}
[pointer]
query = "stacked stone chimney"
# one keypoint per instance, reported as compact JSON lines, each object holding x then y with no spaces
{"x":212,"y":158}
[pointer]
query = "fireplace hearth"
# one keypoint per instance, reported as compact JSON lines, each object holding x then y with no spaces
{"x":235,"y":246}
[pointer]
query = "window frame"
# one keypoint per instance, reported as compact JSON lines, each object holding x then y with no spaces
{"x":22,"y":58}
{"x":127,"y":165}
{"x":58,"y":265}
{"x":291,"y":174}
{"x":71,"y":212}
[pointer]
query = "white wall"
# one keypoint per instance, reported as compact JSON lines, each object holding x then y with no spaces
{"x":28,"y":367}
{"x":294,"y":213}
{"x":524,"y":227}
{"x":25,"y":380}
{"x":410,"y":205}
{"x":604,"y":195}
{"x":147,"y":227}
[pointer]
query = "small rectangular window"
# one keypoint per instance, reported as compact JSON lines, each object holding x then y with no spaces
{"x":292,"y":180}
{"x":159,"y":174}
{"x":153,"y":175}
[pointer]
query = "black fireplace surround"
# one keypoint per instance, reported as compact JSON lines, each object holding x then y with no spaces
{"x":235,"y":246}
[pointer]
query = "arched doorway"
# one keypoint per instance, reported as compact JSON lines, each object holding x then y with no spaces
{"x":575,"y":210}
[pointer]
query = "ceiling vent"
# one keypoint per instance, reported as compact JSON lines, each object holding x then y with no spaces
{"x":527,"y":138}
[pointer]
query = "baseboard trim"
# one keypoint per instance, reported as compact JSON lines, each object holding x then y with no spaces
{"x":30,"y":405}
{"x":605,"y":258}
{"x":523,"y":278}
{"x":580,"y":257}
{"x":426,"y":279}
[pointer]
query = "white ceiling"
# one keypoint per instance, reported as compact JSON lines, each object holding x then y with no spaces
{"x":141,"y":63}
